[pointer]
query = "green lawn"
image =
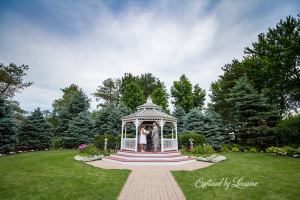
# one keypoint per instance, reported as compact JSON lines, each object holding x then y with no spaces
{"x":278,"y":177}
{"x":56,"y":175}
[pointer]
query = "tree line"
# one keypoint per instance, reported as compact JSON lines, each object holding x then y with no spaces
{"x":249,"y":99}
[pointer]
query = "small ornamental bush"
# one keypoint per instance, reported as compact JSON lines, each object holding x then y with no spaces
{"x":253,"y":150}
{"x":273,"y":149}
{"x":57,"y":142}
{"x":235,"y":149}
{"x":198,"y":139}
{"x":98,"y":141}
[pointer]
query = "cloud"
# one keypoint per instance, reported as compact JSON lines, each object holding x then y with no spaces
{"x":86,"y":43}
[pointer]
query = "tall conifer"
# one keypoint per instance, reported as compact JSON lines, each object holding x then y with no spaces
{"x":253,"y":120}
{"x":35,"y":132}
{"x":7,"y":127}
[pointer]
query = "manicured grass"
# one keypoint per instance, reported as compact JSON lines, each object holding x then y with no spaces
{"x":56,"y":175}
{"x":278,"y":177}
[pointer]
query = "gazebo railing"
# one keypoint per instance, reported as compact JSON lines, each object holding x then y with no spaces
{"x":128,"y":143}
{"x":170,"y":144}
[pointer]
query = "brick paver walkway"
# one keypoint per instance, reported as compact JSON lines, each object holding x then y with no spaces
{"x":150,"y":182}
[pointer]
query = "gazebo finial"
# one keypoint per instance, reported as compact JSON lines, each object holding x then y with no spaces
{"x":149,"y":100}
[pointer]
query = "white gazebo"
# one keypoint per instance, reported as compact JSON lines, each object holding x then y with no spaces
{"x":147,"y":114}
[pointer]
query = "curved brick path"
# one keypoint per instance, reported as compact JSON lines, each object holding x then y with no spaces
{"x":151,"y":182}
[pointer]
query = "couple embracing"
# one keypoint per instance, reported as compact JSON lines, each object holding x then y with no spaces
{"x":147,"y":140}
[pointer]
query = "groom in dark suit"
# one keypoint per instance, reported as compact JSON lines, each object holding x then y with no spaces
{"x":155,"y":137}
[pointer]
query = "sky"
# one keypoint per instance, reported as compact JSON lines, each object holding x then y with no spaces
{"x":86,"y":42}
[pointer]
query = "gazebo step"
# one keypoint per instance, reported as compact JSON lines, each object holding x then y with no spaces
{"x":148,"y":161}
{"x":139,"y":153}
{"x":152,"y":156}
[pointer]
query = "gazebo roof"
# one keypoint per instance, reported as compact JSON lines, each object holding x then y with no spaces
{"x":149,"y":110}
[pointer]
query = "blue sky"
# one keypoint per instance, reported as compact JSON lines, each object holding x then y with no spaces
{"x":86,"y":42}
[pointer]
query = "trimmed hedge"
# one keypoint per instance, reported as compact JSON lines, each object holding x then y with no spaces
{"x":99,"y":141}
{"x":170,"y":136}
{"x":118,"y":138}
{"x":184,"y":139}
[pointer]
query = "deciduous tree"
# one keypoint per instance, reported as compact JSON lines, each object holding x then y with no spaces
{"x":133,"y":96}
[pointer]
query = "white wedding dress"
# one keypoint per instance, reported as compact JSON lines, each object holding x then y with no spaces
{"x":143,"y":137}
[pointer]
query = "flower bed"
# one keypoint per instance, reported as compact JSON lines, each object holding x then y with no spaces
{"x":87,"y":158}
{"x":88,"y":153}
{"x":212,"y":158}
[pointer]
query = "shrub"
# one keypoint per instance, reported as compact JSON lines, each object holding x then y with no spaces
{"x":273,"y":149}
{"x":118,"y":139}
{"x":197,"y":150}
{"x":170,"y":136}
{"x":98,"y":141}
{"x":235,"y":149}
{"x":198,"y":139}
{"x":253,"y":150}
{"x":57,"y":142}
{"x":88,"y":150}
{"x":289,"y":130}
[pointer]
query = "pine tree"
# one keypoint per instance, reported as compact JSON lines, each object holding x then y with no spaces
{"x":35,"y":132}
{"x":180,"y":115}
{"x":81,"y":130}
{"x":253,"y":120}
{"x":8,"y":129}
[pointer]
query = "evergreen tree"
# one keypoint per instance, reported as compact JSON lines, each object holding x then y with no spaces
{"x":194,"y":122}
{"x":208,"y":124}
{"x":78,"y":103}
{"x":81,"y":130}
{"x":102,"y":119}
{"x":180,"y":115}
{"x":7,"y":128}
{"x":133,"y":96}
{"x":253,"y":120}
{"x":114,"y":120}
{"x":216,"y":133}
{"x":108,"y":92}
{"x":35,"y":132}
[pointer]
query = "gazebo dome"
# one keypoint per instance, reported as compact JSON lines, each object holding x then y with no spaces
{"x":149,"y":110}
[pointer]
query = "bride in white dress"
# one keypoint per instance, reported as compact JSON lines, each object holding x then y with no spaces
{"x":143,"y":137}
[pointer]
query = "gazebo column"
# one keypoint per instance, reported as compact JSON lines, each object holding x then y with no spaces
{"x":172,"y":130}
{"x":162,"y":135}
{"x":176,"y":135}
{"x":136,"y":133}
{"x":122,"y":135}
{"x":125,"y":129}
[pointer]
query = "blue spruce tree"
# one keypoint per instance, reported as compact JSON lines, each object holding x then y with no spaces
{"x":179,"y":113}
{"x":35,"y":132}
{"x":8,"y":129}
{"x":81,"y":130}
